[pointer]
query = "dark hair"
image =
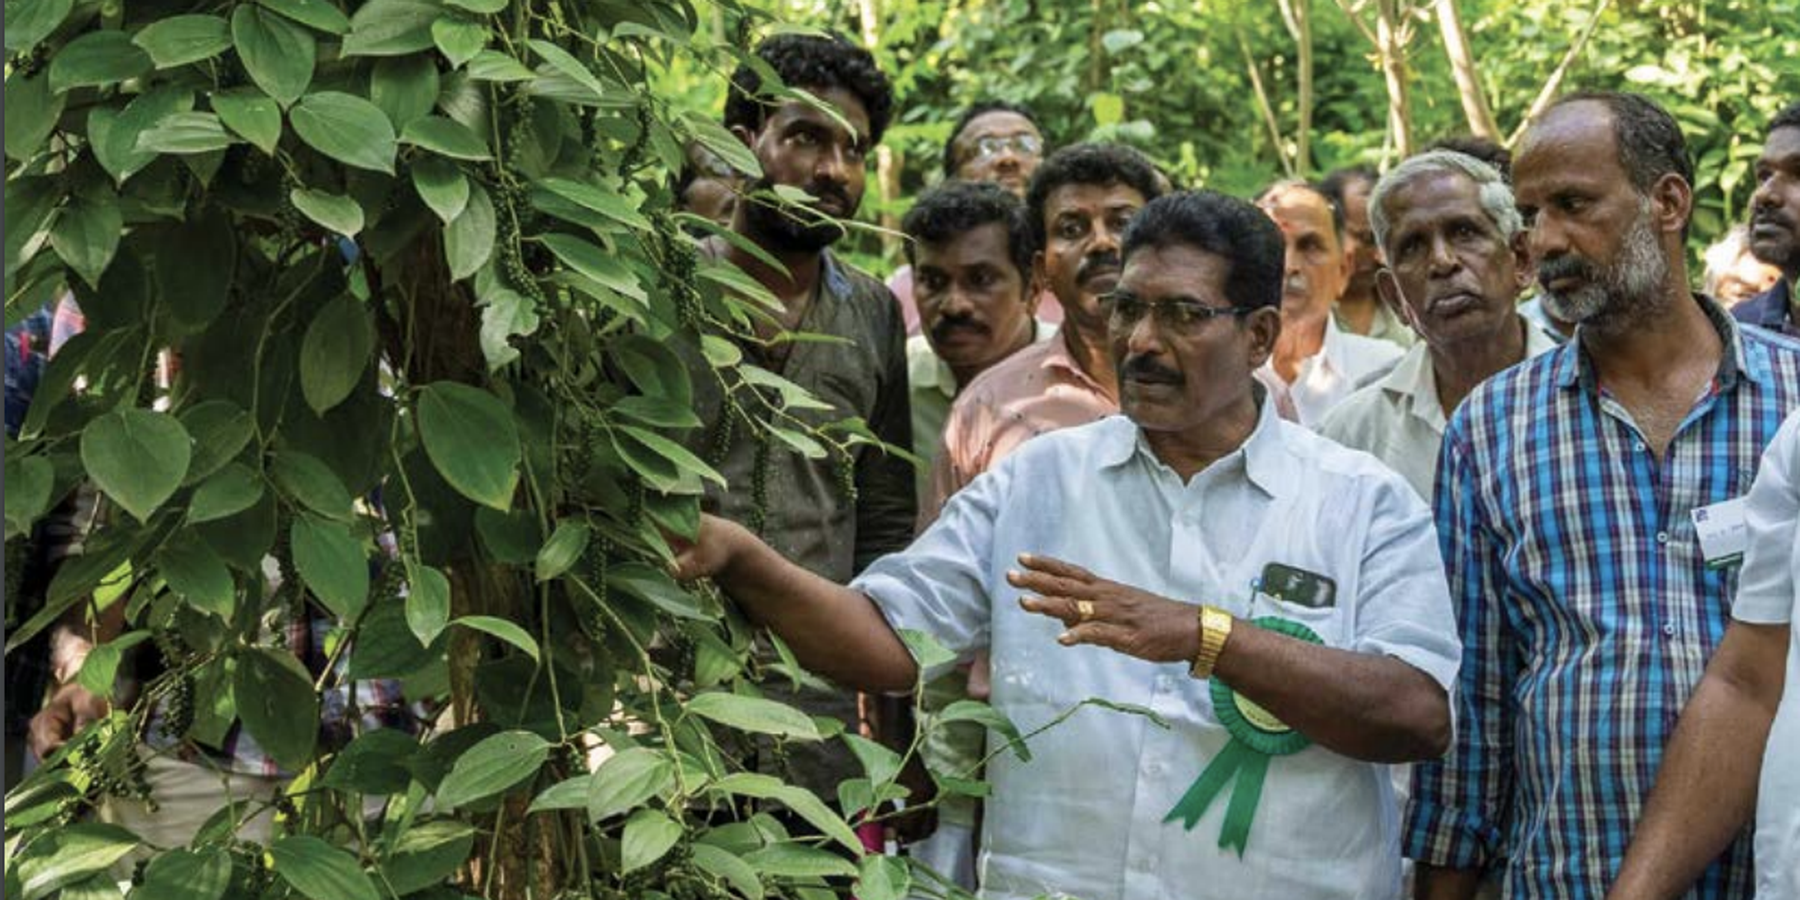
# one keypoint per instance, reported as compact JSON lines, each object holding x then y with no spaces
{"x":697,"y":163}
{"x":975,"y":112}
{"x":1481,"y":148}
{"x":1789,"y":117}
{"x":1295,"y":184}
{"x":954,"y":208}
{"x":1091,"y":163}
{"x":1246,"y":238}
{"x":1649,"y":139}
{"x":1336,"y":184}
{"x":814,"y":63}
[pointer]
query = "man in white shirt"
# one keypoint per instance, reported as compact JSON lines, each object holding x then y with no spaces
{"x":1456,"y":256}
{"x":1744,"y":716}
{"x":1315,"y":364}
{"x":1276,"y":599}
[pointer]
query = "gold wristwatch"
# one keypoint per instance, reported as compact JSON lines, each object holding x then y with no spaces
{"x":1215,"y":630}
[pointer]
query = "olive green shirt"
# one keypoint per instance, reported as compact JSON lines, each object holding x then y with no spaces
{"x":811,"y":519}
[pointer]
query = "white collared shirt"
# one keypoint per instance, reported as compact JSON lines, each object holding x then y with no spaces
{"x":1769,"y":594}
{"x":1344,"y":362}
{"x":1399,"y":418}
{"x":1084,"y":817}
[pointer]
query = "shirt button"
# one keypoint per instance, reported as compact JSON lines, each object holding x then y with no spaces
{"x":1639,"y":446}
{"x":1662,"y":537}
{"x":1669,"y":629}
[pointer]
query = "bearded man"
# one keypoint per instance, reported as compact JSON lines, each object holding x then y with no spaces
{"x":800,"y":503}
{"x":1583,"y":504}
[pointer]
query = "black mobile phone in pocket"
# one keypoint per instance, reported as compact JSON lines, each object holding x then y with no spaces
{"x":1298,"y":586}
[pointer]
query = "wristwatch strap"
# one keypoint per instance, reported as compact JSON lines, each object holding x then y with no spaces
{"x":1215,"y":630}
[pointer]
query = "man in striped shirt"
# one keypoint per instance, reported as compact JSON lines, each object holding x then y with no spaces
{"x":1566,"y":500}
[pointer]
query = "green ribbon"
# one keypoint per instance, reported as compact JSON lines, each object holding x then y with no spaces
{"x":1256,"y":737}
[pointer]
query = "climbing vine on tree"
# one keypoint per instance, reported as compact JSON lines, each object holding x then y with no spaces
{"x":429,"y":311}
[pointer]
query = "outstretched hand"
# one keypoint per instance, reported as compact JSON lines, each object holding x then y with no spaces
{"x":1105,"y":613}
{"x":70,"y":708}
{"x":711,"y":551}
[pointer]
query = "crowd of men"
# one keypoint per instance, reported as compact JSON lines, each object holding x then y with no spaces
{"x":1428,"y":515}
{"x":1302,"y":476}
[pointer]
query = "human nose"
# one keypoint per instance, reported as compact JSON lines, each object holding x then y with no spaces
{"x":1443,"y":259}
{"x":957,"y":302}
{"x":1546,"y":237}
{"x":1142,"y":336}
{"x":1764,"y":195}
{"x":1105,"y":237}
{"x":831,"y":164}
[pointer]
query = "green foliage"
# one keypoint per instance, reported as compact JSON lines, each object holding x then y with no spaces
{"x":466,"y":445}
{"x":1173,"y":80}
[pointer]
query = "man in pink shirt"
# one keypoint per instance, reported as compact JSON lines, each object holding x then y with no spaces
{"x":1079,"y":202}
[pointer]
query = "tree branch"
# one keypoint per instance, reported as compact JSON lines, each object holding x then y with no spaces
{"x":1262,"y":103}
{"x":1550,"y":87}
{"x":1462,"y":66}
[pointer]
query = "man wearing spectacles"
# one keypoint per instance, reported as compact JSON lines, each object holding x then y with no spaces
{"x":1316,"y":364}
{"x":992,"y":142}
{"x":1275,"y":600}
{"x":995,"y":141}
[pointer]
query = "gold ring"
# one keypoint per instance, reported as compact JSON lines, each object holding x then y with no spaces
{"x":1084,"y":609}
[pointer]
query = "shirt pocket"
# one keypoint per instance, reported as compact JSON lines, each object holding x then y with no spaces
{"x":1325,"y":621}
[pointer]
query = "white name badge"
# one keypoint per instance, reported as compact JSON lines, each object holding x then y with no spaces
{"x":1723,"y":533}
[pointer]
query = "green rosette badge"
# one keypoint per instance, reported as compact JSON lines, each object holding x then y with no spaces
{"x":1256,"y":738}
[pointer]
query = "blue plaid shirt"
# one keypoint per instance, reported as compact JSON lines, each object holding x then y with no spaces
{"x":1587,"y":612}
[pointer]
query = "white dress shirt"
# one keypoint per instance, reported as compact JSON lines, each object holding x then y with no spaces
{"x":1400,"y":420}
{"x":1084,"y":816}
{"x":1344,"y":362}
{"x":1769,"y":595}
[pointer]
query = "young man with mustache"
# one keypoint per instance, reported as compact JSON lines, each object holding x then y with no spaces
{"x":1585,"y":503}
{"x":1078,"y":205}
{"x":1272,"y":598}
{"x":970,"y":245}
{"x":1775,"y":225}
{"x":1456,"y":262}
{"x":1316,"y":364}
{"x":807,"y":512}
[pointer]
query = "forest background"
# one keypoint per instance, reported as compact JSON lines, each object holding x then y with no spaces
{"x":1233,"y":94}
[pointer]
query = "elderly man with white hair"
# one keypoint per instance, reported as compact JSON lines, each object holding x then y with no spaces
{"x":1456,"y":262}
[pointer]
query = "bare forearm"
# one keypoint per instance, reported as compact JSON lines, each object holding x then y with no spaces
{"x":833,"y":630}
{"x":1363,"y":706}
{"x":1706,"y":790}
{"x":1441,"y":883}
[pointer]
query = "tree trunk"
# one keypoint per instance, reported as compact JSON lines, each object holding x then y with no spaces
{"x":1096,"y":74}
{"x":1391,"y":39}
{"x":1263,"y":105}
{"x":1298,"y":16}
{"x":1554,"y":83}
{"x":887,"y":162}
{"x":1462,"y":66}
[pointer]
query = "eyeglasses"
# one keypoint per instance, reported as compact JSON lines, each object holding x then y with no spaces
{"x":1175,"y":316}
{"x":994,"y":145}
